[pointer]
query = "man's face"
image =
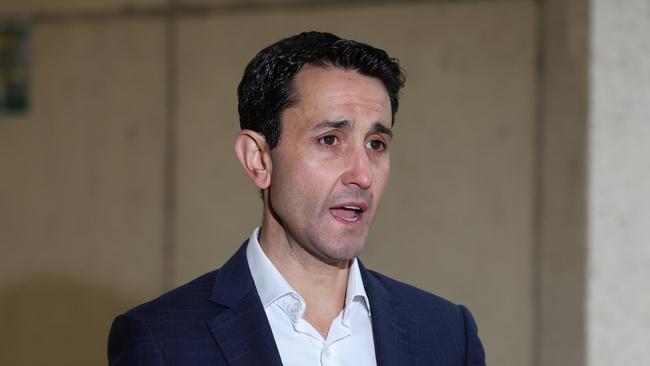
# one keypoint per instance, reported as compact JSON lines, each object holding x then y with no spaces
{"x":332,"y":163}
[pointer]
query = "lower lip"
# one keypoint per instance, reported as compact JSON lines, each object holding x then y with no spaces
{"x":350,"y":223}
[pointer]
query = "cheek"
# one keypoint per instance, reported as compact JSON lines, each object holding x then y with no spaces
{"x":303,"y":182}
{"x":382,"y":173}
{"x":313,"y":179}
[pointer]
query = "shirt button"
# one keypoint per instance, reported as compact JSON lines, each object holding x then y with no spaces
{"x":326,"y":351}
{"x":295,"y":307}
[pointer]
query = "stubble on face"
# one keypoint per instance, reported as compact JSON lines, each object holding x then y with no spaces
{"x":330,"y":166}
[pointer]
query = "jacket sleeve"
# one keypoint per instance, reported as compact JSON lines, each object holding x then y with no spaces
{"x":475,"y":355}
{"x":130,"y":343}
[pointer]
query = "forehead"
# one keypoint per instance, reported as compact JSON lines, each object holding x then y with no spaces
{"x":333,"y":90}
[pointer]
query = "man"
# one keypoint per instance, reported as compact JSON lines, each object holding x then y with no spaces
{"x":316,"y":113}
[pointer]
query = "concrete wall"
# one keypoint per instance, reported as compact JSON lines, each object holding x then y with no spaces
{"x":66,"y":8}
{"x":81,"y":188}
{"x":619,"y":180}
{"x":121,"y":180}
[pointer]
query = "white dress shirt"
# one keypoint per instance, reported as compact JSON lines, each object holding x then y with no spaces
{"x":349,"y":340}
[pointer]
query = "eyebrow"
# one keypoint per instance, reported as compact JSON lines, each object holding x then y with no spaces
{"x":379,"y":128}
{"x":376,"y":127}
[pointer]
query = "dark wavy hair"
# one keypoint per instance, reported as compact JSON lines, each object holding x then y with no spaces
{"x":267,"y":87}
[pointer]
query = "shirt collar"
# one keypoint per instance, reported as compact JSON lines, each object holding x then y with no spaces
{"x":272,"y":287}
{"x":356,"y":291}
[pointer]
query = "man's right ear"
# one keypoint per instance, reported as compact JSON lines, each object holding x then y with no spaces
{"x":255,"y":156}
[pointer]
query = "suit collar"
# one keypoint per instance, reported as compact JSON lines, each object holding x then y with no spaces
{"x":241,"y":330}
{"x":392,"y":331}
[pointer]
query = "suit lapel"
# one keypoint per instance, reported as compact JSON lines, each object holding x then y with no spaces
{"x":391,"y":329}
{"x":242,"y":330}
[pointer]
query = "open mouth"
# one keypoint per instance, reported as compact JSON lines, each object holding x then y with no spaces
{"x":347,"y":213}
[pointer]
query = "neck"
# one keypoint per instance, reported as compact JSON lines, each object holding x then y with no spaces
{"x":322,"y":285}
{"x":305,"y":272}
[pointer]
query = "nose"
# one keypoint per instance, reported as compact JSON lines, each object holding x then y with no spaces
{"x":358,"y":170}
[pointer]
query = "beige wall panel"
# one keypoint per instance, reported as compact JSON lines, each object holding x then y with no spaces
{"x":275,"y":4}
{"x":457,"y":216}
{"x":563,"y":183}
{"x":294,"y":3}
{"x":80,"y":194}
{"x":30,"y":6}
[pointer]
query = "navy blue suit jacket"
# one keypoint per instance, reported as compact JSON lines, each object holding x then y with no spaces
{"x":218,"y":319}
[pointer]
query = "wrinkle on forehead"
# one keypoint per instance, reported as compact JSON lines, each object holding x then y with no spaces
{"x":336,"y":93}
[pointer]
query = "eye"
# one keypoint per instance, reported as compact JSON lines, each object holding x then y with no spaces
{"x":328,"y":140}
{"x":376,"y":145}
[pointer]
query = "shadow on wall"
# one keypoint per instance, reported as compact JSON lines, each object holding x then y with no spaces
{"x":54,"y":319}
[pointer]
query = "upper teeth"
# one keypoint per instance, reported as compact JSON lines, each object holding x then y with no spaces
{"x":352,"y":208}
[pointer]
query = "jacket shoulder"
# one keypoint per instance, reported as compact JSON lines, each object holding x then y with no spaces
{"x":189,"y":297}
{"x":149,"y":333}
{"x":411,"y":295}
{"x":443,"y":327}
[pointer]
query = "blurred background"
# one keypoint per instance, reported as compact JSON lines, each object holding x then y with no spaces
{"x":520,"y":168}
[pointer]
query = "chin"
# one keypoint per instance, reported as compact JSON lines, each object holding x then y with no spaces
{"x":344,"y":251}
{"x":336,"y":246}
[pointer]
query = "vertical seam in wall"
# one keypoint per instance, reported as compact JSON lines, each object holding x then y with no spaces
{"x":170,"y":149}
{"x":586,"y":178}
{"x":538,"y":185}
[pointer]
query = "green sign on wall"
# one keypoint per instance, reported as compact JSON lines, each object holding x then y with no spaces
{"x":13,"y":68}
